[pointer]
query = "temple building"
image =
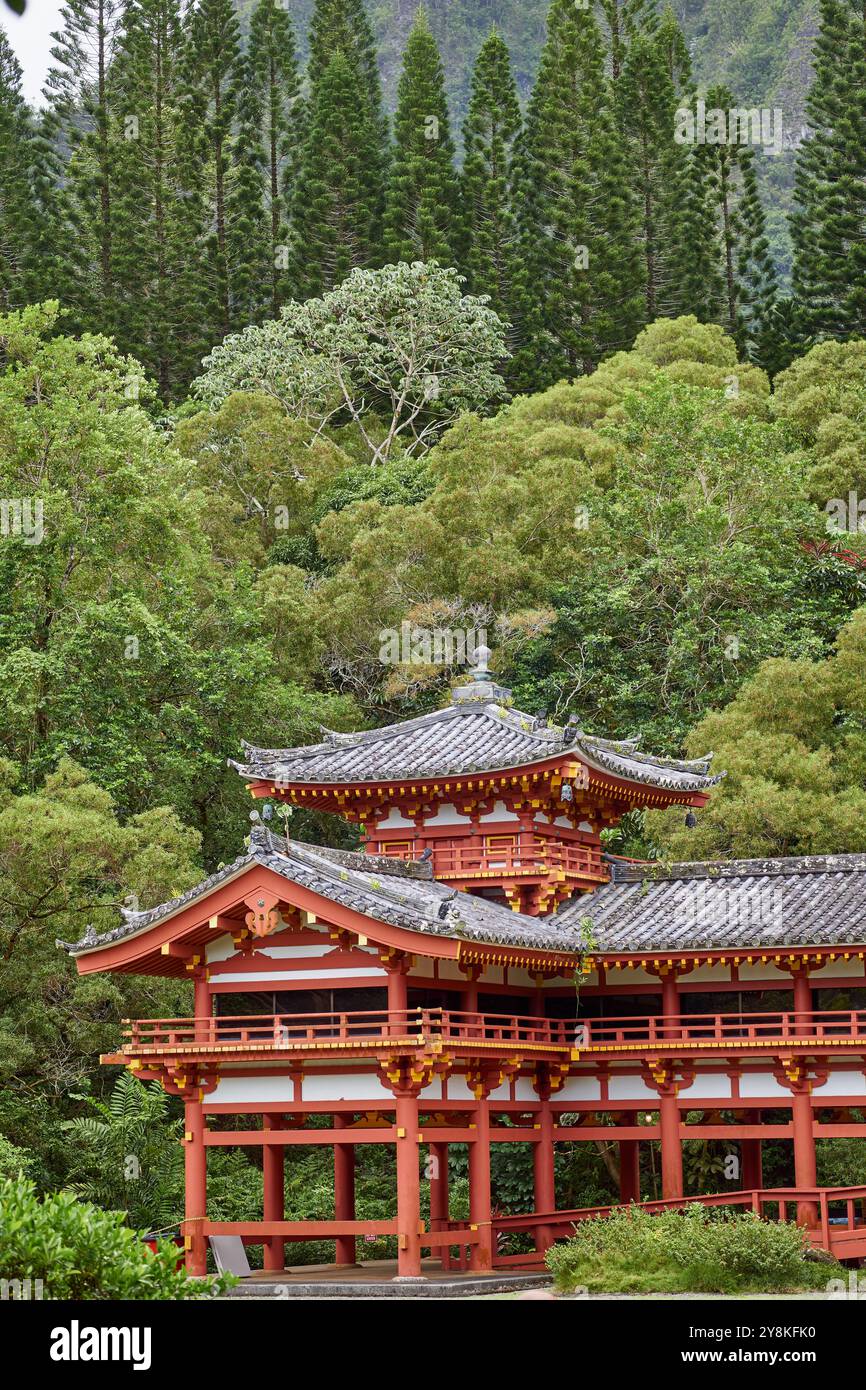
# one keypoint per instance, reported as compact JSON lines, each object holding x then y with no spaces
{"x":483,"y":973}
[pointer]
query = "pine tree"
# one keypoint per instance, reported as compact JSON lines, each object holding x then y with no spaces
{"x":647,"y":102}
{"x":342,"y":25}
{"x":737,"y":217}
{"x":335,"y":208}
{"x":78,"y":89}
{"x":828,"y":226}
{"x":274,"y":69}
{"x":622,"y":22}
{"x":422,"y":199}
{"x":492,"y":126}
{"x":580,"y":252}
{"x":159,"y":209}
{"x":247,"y":220}
{"x":18,"y":212}
{"x":214,"y":63}
{"x":672,"y":43}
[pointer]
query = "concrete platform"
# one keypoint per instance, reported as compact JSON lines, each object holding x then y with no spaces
{"x":378,"y":1279}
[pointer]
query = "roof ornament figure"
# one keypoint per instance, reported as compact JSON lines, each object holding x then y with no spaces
{"x":482,"y":689}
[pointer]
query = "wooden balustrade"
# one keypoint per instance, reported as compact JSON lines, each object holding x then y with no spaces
{"x":284,"y":1032}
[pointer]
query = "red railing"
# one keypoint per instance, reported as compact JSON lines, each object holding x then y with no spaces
{"x":530,"y":855}
{"x":288,"y":1031}
{"x":830,"y":1213}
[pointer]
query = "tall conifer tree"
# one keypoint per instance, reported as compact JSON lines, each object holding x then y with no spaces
{"x":490,"y":131}
{"x":829,"y":224}
{"x":737,"y":218}
{"x":422,"y":200}
{"x":159,"y":214}
{"x":581,"y":274}
{"x":621,"y":22}
{"x":78,"y":86}
{"x":18,"y":212}
{"x":336,"y":210}
{"x":248,"y":228}
{"x":214,"y":67}
{"x":274,"y":69}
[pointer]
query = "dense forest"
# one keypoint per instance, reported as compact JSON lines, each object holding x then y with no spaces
{"x":305,"y":335}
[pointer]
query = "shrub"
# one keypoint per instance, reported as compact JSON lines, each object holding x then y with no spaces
{"x":79,"y":1251}
{"x":698,"y":1249}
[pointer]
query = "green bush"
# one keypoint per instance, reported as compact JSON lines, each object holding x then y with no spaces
{"x":698,"y":1250}
{"x":79,"y":1251}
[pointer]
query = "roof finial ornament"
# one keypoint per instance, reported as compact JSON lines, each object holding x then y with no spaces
{"x":481,"y":688}
{"x":480,"y":659}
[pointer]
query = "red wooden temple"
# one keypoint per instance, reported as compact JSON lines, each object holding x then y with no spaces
{"x":422,"y":993}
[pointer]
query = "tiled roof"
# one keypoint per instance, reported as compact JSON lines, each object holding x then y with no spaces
{"x":383,"y":889}
{"x":473,"y":734}
{"x":811,"y":901}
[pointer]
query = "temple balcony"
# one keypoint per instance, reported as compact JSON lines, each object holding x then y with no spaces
{"x":375,"y":1034}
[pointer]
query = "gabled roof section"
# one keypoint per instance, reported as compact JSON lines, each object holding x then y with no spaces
{"x":385,"y":890}
{"x":809,"y":901}
{"x":478,"y":732}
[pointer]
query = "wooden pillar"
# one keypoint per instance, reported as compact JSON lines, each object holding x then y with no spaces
{"x":805,"y":1167}
{"x":408,"y":1187}
{"x":672,"y":1149}
{"x":195,"y":1174}
{"x":438,"y":1186}
{"x":398,"y":1000}
{"x":670,"y":1002}
{"x":629,"y":1170}
{"x":438,"y":1159}
{"x":344,"y":1194}
{"x":273,"y":1181}
{"x":201,"y":1005}
{"x":544,"y":1173}
{"x":752,"y":1166}
{"x":480,"y":1208}
{"x":802,"y":992}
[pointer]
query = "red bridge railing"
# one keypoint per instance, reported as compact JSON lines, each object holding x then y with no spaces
{"x":287,"y":1031}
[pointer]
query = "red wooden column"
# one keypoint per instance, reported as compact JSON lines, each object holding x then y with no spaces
{"x":629,"y":1170}
{"x":805,"y":1167}
{"x":664,"y":1077}
{"x":273,"y":1181}
{"x":480,"y":1206}
{"x":344,"y":1193}
{"x":670,"y":1001}
{"x":802,"y":992}
{"x":752,"y":1174}
{"x":398,"y":995}
{"x":201,"y":1004}
{"x":195,"y":1174}
{"x":544,"y":1172}
{"x":408,"y":1186}
{"x":438,"y":1160}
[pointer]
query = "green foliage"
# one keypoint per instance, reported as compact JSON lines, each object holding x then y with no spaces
{"x":398,"y":353}
{"x":794,"y":747}
{"x":421,"y":203}
{"x":696,"y":1250}
{"x":79,"y":1251}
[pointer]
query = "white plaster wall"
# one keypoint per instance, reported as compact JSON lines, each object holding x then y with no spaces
{"x":630,"y":1088}
{"x":580,"y":1088}
{"x":753,"y":1084}
{"x":308,"y":976}
{"x":844,"y":969}
{"x":362,"y":1086}
{"x":709,"y":1086}
{"x":395,"y":820}
{"x":501,"y":812}
{"x":446,"y":814}
{"x":842,"y":1083}
{"x":761,"y":970}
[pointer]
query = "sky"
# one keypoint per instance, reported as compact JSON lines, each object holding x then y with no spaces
{"x":30,"y":37}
